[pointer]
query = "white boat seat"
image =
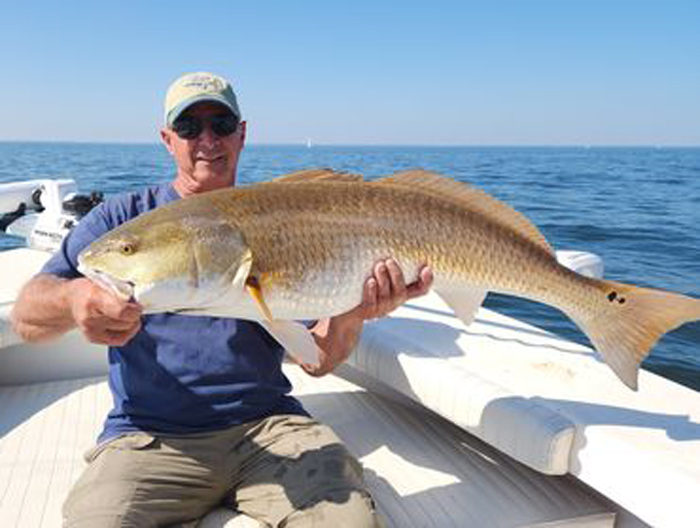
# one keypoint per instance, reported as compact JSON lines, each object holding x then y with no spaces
{"x":422,"y":470}
{"x":533,"y":434}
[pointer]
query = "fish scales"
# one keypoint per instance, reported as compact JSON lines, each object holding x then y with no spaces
{"x":324,"y":238}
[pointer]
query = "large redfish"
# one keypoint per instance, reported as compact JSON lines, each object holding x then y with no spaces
{"x":300,"y":247}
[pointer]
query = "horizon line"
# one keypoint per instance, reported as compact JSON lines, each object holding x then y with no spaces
{"x":404,"y":145}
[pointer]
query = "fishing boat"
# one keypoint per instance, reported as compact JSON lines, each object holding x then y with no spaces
{"x":498,"y":424}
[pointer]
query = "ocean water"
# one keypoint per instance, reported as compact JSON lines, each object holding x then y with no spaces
{"x":638,"y":208}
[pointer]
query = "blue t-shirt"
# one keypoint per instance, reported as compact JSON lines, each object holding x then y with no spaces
{"x":181,"y":374}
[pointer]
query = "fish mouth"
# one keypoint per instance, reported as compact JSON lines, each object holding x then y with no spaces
{"x":121,"y":288}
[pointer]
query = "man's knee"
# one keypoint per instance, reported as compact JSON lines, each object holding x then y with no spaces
{"x":137,"y":480}
{"x":337,"y":509}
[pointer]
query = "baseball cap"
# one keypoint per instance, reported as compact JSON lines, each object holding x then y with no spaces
{"x":197,"y":87}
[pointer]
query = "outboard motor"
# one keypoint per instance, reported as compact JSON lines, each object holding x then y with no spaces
{"x":43,"y":211}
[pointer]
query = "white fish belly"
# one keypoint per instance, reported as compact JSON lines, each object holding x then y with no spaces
{"x":332,"y":291}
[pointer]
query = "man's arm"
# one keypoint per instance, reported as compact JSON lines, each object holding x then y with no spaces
{"x":59,"y":299}
{"x":385,"y":291}
{"x":49,"y":306}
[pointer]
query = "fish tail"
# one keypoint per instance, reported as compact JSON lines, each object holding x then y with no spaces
{"x":628,"y":321}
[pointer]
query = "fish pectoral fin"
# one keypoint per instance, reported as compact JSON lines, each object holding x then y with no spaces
{"x":239,"y":272}
{"x":464,"y":301}
{"x":253,"y":287}
{"x":295,"y":338}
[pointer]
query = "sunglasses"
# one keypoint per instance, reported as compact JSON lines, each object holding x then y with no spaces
{"x":189,"y":127}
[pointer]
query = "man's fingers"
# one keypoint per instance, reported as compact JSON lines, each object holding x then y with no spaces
{"x":115,"y":325}
{"x":381,"y":275}
{"x":109,"y":336}
{"x":397,"y":280}
{"x":116,"y":308}
{"x":103,"y":317}
{"x":422,"y":285}
{"x":315,"y":370}
{"x":386,"y":289}
{"x":129,"y":335}
{"x":369,"y":293}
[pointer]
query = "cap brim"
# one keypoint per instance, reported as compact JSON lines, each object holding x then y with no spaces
{"x":184,"y":105}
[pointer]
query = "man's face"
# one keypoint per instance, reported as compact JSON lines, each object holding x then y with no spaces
{"x":207,"y":161}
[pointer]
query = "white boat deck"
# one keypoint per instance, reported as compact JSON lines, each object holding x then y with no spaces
{"x":422,"y":470}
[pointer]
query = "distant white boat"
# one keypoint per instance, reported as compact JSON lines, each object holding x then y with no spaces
{"x":308,"y":143}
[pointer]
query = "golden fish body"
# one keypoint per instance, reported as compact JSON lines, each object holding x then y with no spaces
{"x":307,"y":242}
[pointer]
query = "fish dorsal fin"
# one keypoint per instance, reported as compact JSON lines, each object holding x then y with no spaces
{"x":317,"y":175}
{"x":470,"y":197}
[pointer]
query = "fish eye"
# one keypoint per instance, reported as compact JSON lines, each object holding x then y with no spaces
{"x":127,"y":249}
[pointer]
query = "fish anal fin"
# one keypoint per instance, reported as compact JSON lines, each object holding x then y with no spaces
{"x":295,"y":338}
{"x":464,"y":301}
{"x":317,"y":175}
{"x":472,"y":198}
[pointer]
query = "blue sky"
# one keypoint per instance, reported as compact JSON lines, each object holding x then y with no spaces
{"x":592,"y":72}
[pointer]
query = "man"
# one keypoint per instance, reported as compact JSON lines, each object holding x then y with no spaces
{"x":202,"y":414}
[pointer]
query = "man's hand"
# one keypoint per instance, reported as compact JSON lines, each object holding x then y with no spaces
{"x":103,"y":317}
{"x":386,"y":289}
{"x":383,"y":292}
{"x":49,"y":306}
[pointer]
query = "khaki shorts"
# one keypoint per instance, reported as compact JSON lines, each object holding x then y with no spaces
{"x":288,"y":470}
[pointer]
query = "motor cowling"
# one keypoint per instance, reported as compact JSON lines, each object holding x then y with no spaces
{"x":44,"y":210}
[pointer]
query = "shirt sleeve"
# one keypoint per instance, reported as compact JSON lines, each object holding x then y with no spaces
{"x":64,"y":263}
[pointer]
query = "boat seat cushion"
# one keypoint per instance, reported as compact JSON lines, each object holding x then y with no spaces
{"x":533,"y":434}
